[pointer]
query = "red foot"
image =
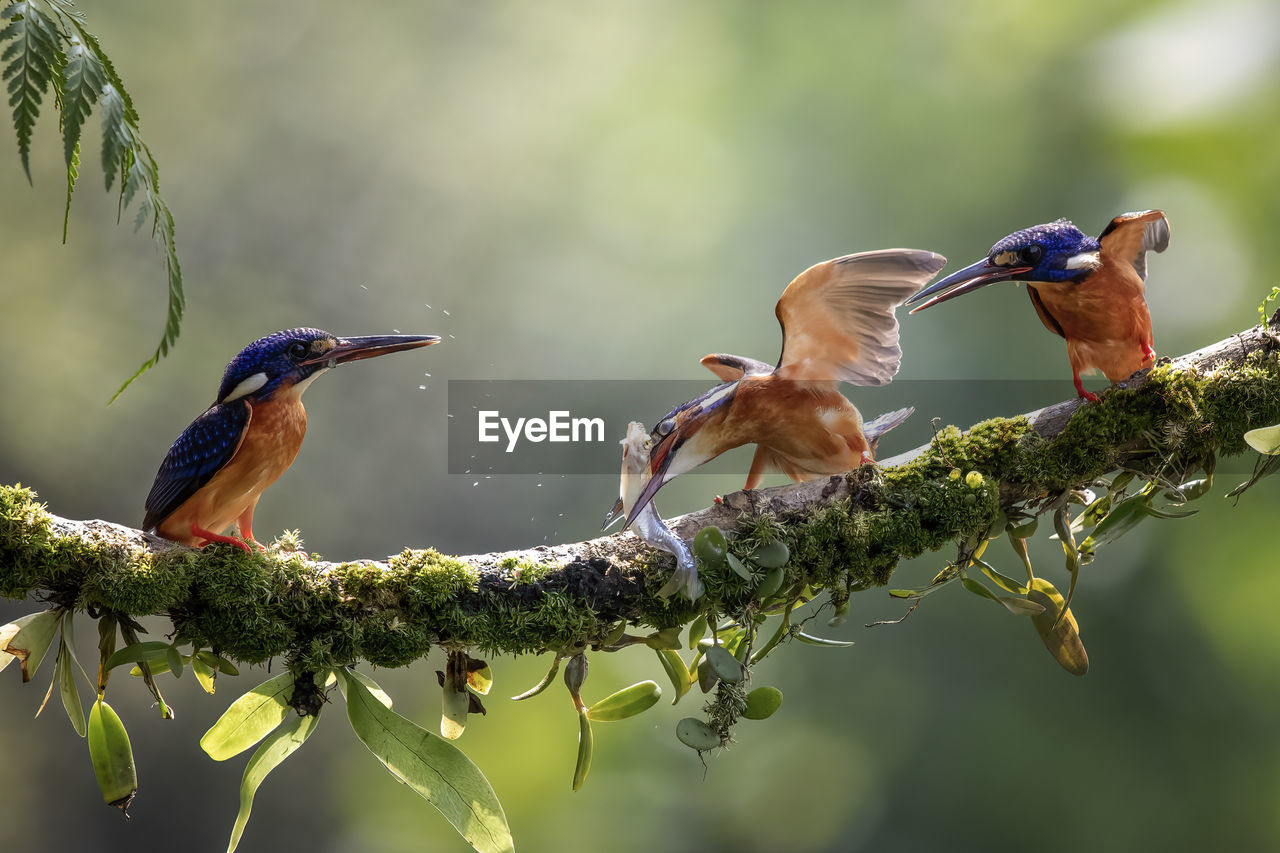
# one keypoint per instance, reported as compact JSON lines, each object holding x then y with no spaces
{"x":718,"y":499}
{"x":1088,"y":395}
{"x":867,"y":459}
{"x":1148,"y":354}
{"x":210,"y":538}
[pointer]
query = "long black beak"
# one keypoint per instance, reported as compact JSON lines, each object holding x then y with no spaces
{"x":965,"y":281}
{"x":354,"y":349}
{"x":612,"y":516}
{"x":659,"y":461}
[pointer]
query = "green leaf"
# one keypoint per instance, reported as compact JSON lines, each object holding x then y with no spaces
{"x":371,"y":685}
{"x":739,"y":567}
{"x":430,"y":765}
{"x":724,"y":665}
{"x":978,"y":589}
{"x":696,"y":734}
{"x":28,"y":640}
{"x":112,"y":757}
{"x":34,"y":61}
{"x":250,"y":718}
{"x":627,"y":702}
{"x":1122,"y":518}
{"x":1057,"y":628}
{"x":175,"y":660}
{"x":674,"y":666}
{"x":586,"y":744}
{"x":218,"y":662}
{"x":771,"y":583}
{"x":148,"y":651}
{"x":697,"y":630}
{"x":772,"y":556}
{"x":762,"y":703}
{"x":1264,"y":439}
{"x":278,"y":746}
{"x":1020,"y":606}
{"x":204,"y":674}
{"x":67,"y":680}
{"x":1005,"y":582}
{"x":710,"y":546}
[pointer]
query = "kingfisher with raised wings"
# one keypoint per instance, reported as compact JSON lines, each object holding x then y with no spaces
{"x":214,"y":472}
{"x":838,"y":324}
{"x":1090,"y":292}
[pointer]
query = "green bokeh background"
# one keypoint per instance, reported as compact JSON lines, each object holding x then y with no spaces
{"x":611,"y":190}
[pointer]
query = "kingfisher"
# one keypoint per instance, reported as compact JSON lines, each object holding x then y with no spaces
{"x":1090,"y":292}
{"x":838,"y":324}
{"x":217,"y":469}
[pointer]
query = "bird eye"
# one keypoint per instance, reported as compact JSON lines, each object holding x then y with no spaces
{"x":1032,"y":254}
{"x":298,"y":350}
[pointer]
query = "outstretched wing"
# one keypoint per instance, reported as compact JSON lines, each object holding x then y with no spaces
{"x":837,"y":316}
{"x":1131,"y":235}
{"x":200,"y":452}
{"x":731,"y":368}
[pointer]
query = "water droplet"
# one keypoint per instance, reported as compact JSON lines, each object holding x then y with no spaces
{"x":397,"y":331}
{"x":422,"y":387}
{"x":444,"y":312}
{"x":426,"y":374}
{"x":426,"y":304}
{"x":451,"y":338}
{"x":364,"y":287}
{"x":476,"y":483}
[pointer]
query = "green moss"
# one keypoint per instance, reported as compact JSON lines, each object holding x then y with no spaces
{"x":252,"y":607}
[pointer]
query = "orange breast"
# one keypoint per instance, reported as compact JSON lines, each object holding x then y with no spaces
{"x":270,"y":445}
{"x":810,"y":425}
{"x":1104,"y":319}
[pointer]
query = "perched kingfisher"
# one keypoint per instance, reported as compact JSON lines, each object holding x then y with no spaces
{"x":215,"y":472}
{"x":1090,"y":292}
{"x":838,"y":324}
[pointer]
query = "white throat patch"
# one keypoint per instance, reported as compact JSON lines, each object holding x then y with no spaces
{"x":246,"y":386}
{"x":303,"y":385}
{"x":1084,"y":260}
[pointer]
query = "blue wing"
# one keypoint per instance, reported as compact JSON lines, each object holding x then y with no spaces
{"x":199,"y":453}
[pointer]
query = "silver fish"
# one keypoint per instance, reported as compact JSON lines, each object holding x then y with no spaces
{"x":648,"y":525}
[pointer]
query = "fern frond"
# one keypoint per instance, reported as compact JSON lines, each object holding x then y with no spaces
{"x":73,"y":174}
{"x":34,"y":62}
{"x":91,"y":77}
{"x":83,"y":80}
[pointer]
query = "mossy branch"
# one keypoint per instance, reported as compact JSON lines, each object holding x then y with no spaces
{"x":845,"y":533}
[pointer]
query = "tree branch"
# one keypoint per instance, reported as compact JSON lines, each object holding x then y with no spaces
{"x":845,"y":533}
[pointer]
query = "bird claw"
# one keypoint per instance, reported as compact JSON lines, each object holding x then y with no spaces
{"x":1089,"y":396}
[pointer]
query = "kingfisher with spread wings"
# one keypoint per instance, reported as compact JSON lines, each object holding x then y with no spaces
{"x":1090,"y":292}
{"x":838,"y":324}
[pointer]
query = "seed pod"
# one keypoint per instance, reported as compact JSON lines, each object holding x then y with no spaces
{"x":973,"y":479}
{"x":697,"y":630}
{"x":676,"y":670}
{"x":112,"y":757}
{"x":575,"y":673}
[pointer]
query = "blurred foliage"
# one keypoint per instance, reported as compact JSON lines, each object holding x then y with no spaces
{"x":49,"y":46}
{"x":613,"y":191}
